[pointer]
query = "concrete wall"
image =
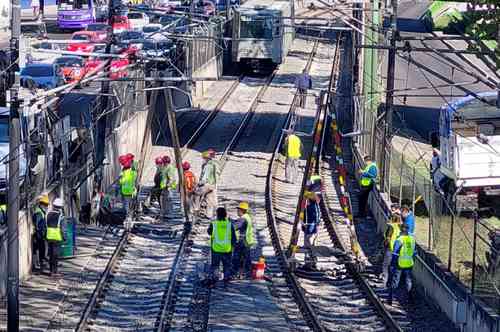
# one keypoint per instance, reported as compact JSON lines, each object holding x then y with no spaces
{"x":439,"y":285}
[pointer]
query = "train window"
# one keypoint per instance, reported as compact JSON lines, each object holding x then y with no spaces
{"x":256,"y":27}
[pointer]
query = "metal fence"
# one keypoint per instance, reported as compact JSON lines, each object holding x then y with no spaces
{"x":459,"y":239}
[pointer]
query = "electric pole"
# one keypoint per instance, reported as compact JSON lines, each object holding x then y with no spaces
{"x":13,"y":189}
{"x":385,"y":158}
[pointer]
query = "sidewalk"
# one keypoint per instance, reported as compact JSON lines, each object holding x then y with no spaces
{"x":48,"y":304}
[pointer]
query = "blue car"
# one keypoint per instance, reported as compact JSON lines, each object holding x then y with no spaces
{"x":41,"y":75}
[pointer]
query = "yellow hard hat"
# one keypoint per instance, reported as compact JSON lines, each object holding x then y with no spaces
{"x":205,"y":154}
{"x":44,"y":199}
{"x":308,"y":194}
{"x":243,"y":206}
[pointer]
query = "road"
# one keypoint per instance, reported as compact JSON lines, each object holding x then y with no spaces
{"x":418,"y":111}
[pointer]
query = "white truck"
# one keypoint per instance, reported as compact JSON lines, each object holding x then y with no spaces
{"x":470,"y":153}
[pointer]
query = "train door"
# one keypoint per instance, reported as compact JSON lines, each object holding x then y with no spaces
{"x":236,"y":35}
{"x":278,"y":41}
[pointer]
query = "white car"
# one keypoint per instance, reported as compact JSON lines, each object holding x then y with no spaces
{"x":4,"y":151}
{"x":138,"y":20}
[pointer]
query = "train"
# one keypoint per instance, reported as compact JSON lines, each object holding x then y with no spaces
{"x":262,"y":33}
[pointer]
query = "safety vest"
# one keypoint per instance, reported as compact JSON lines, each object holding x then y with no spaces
{"x":127,"y":182}
{"x":54,"y":231}
{"x":315,"y":178}
{"x":221,"y":236}
{"x":365,"y":180}
{"x":249,"y":238}
{"x":293,"y":150}
{"x":396,"y":230}
{"x":167,"y":177}
{"x":406,"y":252}
{"x":209,"y":173}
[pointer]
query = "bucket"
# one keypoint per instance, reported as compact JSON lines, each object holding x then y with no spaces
{"x":258,"y":269}
{"x":68,"y":247}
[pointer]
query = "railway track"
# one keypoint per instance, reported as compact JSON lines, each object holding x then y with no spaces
{"x":334,"y":296}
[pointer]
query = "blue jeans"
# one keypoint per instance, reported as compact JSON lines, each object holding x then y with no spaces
{"x":225,"y":259}
{"x":396,"y":277}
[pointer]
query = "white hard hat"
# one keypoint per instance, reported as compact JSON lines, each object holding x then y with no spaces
{"x":58,"y":202}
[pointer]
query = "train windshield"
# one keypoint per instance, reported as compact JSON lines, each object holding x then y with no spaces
{"x":256,"y":27}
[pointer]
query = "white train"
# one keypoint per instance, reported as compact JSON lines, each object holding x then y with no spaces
{"x":262,"y":33}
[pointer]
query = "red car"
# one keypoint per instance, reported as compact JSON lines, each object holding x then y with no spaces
{"x":102,"y":30}
{"x":82,"y":41}
{"x":120,"y":24}
{"x":117,"y":66}
{"x":72,"y":67}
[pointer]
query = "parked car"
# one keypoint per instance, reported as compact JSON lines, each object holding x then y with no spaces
{"x":157,"y":48}
{"x":116,"y":66}
{"x":72,"y":67}
{"x":82,"y":41}
{"x":175,"y":23}
{"x":102,"y":30}
{"x":4,"y":150}
{"x":41,"y":75}
{"x":120,"y":24}
{"x":137,"y":20}
{"x":151,"y":28}
{"x":126,"y":36}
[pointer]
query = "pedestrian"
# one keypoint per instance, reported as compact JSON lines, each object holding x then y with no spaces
{"x":56,"y":233}
{"x":168,"y":183}
{"x":242,"y":260}
{"x":3,"y":208}
{"x":303,"y":82}
{"x":408,"y":219}
{"x":312,"y":218}
{"x":40,"y":225}
{"x":222,"y":241}
{"x":127,"y":181}
{"x":366,"y":182}
{"x":437,"y":176}
{"x":402,"y":261}
{"x":493,"y":255}
{"x":315,"y":184}
{"x":189,"y":183}
{"x":35,"y":4}
{"x":391,"y":234}
{"x":293,"y":152}
{"x":206,"y":190}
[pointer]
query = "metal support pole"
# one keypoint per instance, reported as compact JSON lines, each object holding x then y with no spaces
{"x":389,"y":99}
{"x":174,"y":134}
{"x":474,"y":247}
{"x":13,"y":190}
{"x":450,"y":248}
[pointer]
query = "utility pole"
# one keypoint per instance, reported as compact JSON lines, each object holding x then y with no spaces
{"x":13,"y":193}
{"x":385,"y":159}
{"x":174,"y":134}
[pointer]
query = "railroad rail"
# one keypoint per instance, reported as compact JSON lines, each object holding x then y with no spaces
{"x":328,"y":294}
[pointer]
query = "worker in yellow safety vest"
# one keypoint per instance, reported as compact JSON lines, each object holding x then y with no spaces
{"x":242,"y":259}
{"x":222,"y":240}
{"x":391,"y":234}
{"x":293,"y":152}
{"x":367,"y":179}
{"x":168,"y":183}
{"x":402,"y":261}
{"x":128,"y":189}
{"x":40,"y":226}
{"x":56,"y":233}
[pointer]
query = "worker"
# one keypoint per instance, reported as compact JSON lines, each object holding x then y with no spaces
{"x":293,"y":152}
{"x":391,"y":234}
{"x":303,"y":82}
{"x":402,"y":261}
{"x":437,"y":176}
{"x":312,"y":217}
{"x":156,"y":191}
{"x":56,"y":233}
{"x":243,"y":226}
{"x":366,"y":182}
{"x":40,"y":225}
{"x":128,"y":178}
{"x":167,"y":184}
{"x":408,"y":219}
{"x":3,"y":208}
{"x":189,"y":183}
{"x":222,"y":242}
{"x":206,"y":190}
